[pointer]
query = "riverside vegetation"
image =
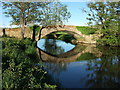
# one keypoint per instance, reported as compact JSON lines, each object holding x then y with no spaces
{"x":18,"y":65}
{"x":19,"y":59}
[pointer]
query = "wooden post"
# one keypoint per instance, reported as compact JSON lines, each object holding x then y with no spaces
{"x":4,"y":34}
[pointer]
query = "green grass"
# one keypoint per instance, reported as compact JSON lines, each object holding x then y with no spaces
{"x":61,"y":33}
{"x":86,"y":56}
{"x":86,"y":30}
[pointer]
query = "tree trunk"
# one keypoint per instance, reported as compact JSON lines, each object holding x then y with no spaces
{"x":22,"y":31}
{"x":40,"y":32}
{"x":22,"y":21}
{"x":39,"y":54}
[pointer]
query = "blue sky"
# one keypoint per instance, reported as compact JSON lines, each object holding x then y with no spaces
{"x":78,"y":17}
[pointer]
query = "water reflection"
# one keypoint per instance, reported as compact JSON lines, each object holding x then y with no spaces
{"x":105,"y":73}
{"x":84,"y":66}
{"x":50,"y":51}
{"x":54,"y":47}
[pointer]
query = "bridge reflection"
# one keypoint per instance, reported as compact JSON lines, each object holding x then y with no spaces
{"x":71,"y":55}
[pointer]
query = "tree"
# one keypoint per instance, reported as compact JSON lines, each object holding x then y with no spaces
{"x":35,"y":29}
{"x":104,"y":15}
{"x":44,"y":13}
{"x":23,"y":13}
{"x":54,"y":14}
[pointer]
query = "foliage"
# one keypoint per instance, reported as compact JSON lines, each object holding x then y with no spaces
{"x":110,"y":37}
{"x":104,"y":15}
{"x":45,"y":13}
{"x":109,"y":41}
{"x":55,"y":13}
{"x":18,"y":64}
{"x":49,"y":86}
{"x":61,"y":36}
{"x":86,"y":30}
{"x":36,"y":28}
{"x":23,"y":13}
{"x":66,"y":37}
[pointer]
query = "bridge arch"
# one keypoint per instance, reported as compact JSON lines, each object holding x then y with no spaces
{"x":71,"y":30}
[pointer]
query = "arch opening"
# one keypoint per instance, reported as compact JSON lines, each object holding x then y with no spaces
{"x":66,"y":36}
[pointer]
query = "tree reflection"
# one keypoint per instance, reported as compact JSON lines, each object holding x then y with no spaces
{"x":51,"y":47}
{"x":105,"y":70}
{"x":56,"y":68}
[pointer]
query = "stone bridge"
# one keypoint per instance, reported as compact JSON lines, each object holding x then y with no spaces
{"x":71,"y":30}
{"x":69,"y":56}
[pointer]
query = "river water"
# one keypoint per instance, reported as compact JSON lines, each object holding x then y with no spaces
{"x":80,"y":66}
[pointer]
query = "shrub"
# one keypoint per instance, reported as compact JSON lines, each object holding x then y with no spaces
{"x":18,"y":65}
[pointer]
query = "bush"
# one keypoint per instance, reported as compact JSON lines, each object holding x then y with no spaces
{"x":18,"y":65}
{"x":110,"y":41}
{"x":110,"y":38}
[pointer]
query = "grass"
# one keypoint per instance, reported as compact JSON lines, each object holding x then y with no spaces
{"x":61,"y":33}
{"x":86,"y":30}
{"x":86,"y":56}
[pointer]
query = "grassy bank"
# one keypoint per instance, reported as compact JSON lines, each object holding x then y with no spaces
{"x":18,"y":65}
{"x":86,"y":30}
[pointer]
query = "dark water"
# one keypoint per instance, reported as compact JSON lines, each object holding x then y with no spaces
{"x":80,"y":66}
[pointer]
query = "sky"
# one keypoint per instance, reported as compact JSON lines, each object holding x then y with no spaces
{"x":78,"y":17}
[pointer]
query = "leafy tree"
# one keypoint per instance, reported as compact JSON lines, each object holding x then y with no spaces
{"x":45,"y":13}
{"x":54,"y":14}
{"x":104,"y":14}
{"x":23,"y":13}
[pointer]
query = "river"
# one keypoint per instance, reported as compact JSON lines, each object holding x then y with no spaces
{"x":80,"y":66}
